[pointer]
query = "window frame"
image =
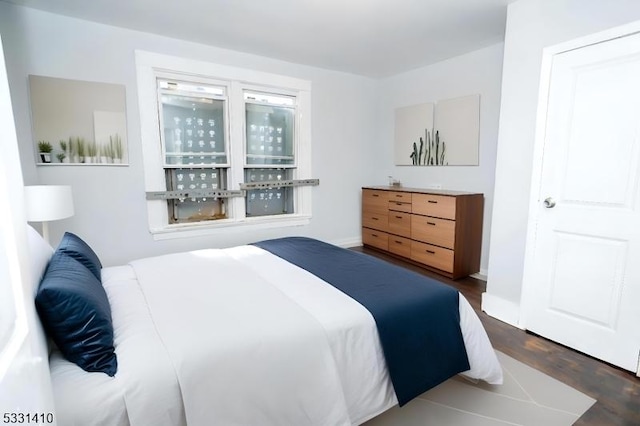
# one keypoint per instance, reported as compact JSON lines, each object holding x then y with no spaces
{"x":221,"y":86}
{"x":151,"y":66}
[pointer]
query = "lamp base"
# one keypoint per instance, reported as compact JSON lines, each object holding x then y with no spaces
{"x":45,"y":232}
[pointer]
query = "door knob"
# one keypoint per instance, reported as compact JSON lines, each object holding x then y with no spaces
{"x":549,"y":202}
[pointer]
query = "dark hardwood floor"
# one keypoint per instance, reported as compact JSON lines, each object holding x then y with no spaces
{"x":617,"y":391}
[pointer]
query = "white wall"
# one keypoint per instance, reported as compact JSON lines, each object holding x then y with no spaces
{"x":25,"y":385}
{"x":109,"y":201}
{"x":531,"y":26}
{"x":478,"y":72}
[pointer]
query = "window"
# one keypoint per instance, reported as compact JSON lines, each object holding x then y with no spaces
{"x":192,"y":119}
{"x":270,"y":156}
{"x":223,"y":147}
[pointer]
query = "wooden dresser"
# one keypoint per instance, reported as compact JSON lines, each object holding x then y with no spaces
{"x":439,"y":230}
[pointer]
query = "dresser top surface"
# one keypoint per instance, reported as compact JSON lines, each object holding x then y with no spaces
{"x":421,"y":190}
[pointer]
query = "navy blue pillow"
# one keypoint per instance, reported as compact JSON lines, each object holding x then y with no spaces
{"x":75,"y":247}
{"x":75,"y":311}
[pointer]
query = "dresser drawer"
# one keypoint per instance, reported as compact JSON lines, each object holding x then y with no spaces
{"x":436,"y":257}
{"x":400,"y":206}
{"x":401,"y":197}
{"x":371,"y":237}
{"x":375,"y":220}
{"x":400,"y":246}
{"x":439,"y":232}
{"x":375,"y":201}
{"x":434,"y":205}
{"x":400,"y":223}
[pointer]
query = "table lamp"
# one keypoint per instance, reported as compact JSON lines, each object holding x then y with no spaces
{"x":45,"y":203}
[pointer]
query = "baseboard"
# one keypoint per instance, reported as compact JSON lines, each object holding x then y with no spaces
{"x":347,"y":242}
{"x":501,"y":309}
{"x":482,"y":275}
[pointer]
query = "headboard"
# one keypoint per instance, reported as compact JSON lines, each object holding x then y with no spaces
{"x":39,"y":254}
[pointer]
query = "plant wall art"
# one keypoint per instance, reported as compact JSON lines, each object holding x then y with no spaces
{"x":443,"y":133}
{"x":78,"y":122}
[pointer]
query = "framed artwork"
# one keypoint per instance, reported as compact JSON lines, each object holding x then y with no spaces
{"x":445,"y":133}
{"x":413,"y":127}
{"x":78,"y":122}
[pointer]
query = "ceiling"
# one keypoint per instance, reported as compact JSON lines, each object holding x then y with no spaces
{"x":375,"y":38}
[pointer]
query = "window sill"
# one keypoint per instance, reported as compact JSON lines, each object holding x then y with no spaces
{"x":228,"y":226}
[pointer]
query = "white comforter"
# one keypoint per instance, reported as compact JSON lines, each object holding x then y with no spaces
{"x":238,"y":337}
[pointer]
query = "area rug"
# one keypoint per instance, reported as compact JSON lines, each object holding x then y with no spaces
{"x":527,"y":397}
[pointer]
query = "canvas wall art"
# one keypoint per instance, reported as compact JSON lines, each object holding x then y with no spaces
{"x":443,"y":133}
{"x":78,"y":122}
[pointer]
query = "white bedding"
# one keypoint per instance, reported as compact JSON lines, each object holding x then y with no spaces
{"x":238,"y":337}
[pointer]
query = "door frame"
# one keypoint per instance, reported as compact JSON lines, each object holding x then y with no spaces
{"x":548,"y":53}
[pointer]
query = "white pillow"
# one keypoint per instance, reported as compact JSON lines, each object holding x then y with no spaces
{"x":40,"y":253}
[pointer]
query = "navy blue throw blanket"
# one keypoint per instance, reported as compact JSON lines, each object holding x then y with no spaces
{"x":418,"y":318}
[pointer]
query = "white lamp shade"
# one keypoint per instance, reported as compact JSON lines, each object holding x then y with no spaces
{"x":48,"y":202}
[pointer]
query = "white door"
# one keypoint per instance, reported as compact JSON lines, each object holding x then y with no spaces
{"x":582,"y":281}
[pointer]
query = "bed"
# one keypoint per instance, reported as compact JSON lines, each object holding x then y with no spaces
{"x":242,"y":336}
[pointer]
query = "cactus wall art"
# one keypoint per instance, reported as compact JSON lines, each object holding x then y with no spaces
{"x":443,"y":133}
{"x":429,"y":151}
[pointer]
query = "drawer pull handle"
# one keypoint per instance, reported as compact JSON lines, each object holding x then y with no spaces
{"x":398,"y":217}
{"x":431,"y":223}
{"x":398,"y":204}
{"x":398,"y":242}
{"x":374,"y":218}
{"x":374,"y":235}
{"x":375,"y":195}
{"x":432,"y":202}
{"x":430,"y":251}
